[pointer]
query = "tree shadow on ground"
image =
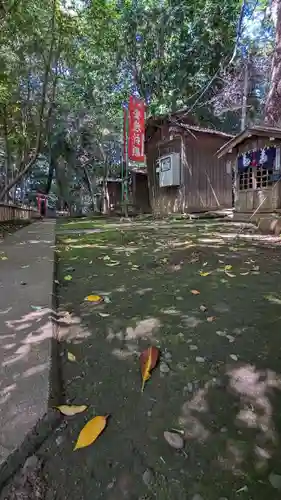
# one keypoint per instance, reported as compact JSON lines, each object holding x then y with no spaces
{"x":210,"y":352}
{"x":28,"y":370}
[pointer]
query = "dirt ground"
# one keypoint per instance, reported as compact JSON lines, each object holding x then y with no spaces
{"x":211,"y":303}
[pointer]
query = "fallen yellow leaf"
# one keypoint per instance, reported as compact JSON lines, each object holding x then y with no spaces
{"x":228,"y":267}
{"x":195,"y":292}
{"x":68,"y":277}
{"x":69,"y":411}
{"x":4,"y":258}
{"x":205,"y":273}
{"x":71,"y":356}
{"x":90,"y":432}
{"x":94,"y":298}
{"x":148,"y":360}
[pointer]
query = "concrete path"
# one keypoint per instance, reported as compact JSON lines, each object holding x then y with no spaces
{"x":26,"y":286}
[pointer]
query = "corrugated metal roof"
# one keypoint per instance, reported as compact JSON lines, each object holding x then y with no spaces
{"x":263,"y":131}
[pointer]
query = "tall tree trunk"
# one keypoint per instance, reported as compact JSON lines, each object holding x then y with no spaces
{"x":27,"y":165}
{"x":89,"y":185}
{"x":8,"y":158}
{"x":52,"y":168}
{"x":273,"y":102}
{"x":105,"y":193}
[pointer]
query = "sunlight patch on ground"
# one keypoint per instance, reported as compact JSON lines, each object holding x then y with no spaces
{"x":35,"y":370}
{"x":143,"y":291}
{"x":253,"y":388}
{"x":211,"y":240}
{"x":191,"y":321}
{"x":86,"y":245}
{"x":273,"y":300}
{"x":171,"y":311}
{"x":144,"y":329}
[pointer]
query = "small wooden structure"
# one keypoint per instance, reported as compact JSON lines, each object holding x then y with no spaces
{"x":254,"y":156}
{"x":138,"y":192}
{"x":184,"y":172}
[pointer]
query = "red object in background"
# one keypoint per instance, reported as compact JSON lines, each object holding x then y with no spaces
{"x":136,"y":129}
{"x":41,"y":197}
{"x":254,"y":162}
{"x":124,"y":133}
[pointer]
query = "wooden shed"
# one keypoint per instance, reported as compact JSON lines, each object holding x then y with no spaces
{"x":184,"y":172}
{"x":254,"y":156}
{"x":137,"y":191}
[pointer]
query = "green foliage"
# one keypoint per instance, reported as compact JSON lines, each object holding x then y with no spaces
{"x":168,"y":51}
{"x":172,"y":49}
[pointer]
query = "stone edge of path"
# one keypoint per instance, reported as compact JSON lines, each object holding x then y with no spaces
{"x":45,"y":425}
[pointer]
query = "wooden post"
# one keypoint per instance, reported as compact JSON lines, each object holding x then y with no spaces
{"x":124,"y":190}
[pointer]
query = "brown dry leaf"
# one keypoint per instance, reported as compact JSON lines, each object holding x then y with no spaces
{"x":211,"y":319}
{"x":91,"y":432}
{"x":195,"y":292}
{"x":69,"y":411}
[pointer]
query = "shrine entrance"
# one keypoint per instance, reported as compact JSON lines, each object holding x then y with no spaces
{"x":42,"y":204}
{"x":254,"y":155}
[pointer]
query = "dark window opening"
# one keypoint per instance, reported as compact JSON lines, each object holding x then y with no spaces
{"x":246,"y":179}
{"x":264,"y":177}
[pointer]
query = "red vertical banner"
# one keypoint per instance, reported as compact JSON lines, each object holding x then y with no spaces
{"x":124,"y":133}
{"x":125,"y":159}
{"x":136,"y":129}
{"x":38,"y":202}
